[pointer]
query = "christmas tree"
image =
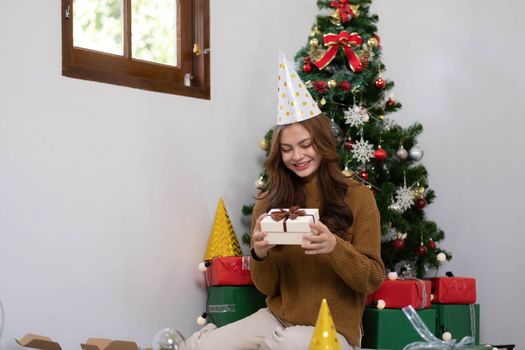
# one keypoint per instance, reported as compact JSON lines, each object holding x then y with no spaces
{"x":341,"y":65}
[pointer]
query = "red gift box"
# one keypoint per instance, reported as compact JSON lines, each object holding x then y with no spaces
{"x":400,"y":293}
{"x":454,"y":290}
{"x":229,"y":271}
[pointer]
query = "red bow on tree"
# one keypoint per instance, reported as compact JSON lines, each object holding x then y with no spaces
{"x":345,"y":11}
{"x":344,"y":40}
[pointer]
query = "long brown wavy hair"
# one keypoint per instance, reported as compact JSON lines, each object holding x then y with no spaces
{"x":285,"y":188}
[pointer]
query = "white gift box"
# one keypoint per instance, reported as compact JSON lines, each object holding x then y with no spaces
{"x":287,"y":230}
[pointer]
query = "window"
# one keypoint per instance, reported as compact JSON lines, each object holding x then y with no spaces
{"x":157,"y":45}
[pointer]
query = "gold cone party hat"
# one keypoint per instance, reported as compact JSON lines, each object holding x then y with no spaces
{"x":325,"y":335}
{"x":223,"y":241}
{"x":294,"y":102}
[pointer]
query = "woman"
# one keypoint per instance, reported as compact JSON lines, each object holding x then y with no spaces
{"x":341,"y":263}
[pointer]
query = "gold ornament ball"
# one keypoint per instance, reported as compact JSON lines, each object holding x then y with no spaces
{"x":314,"y":42}
{"x":419,"y":192}
{"x":347,"y":172}
{"x":381,"y":117}
{"x":332,"y":83}
{"x":372,"y":42}
{"x":263,"y":144}
{"x":322,"y":102}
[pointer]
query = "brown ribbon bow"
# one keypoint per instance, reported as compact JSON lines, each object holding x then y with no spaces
{"x":291,"y":213}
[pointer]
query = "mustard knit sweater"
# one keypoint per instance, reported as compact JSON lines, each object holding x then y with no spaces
{"x":295,"y":283}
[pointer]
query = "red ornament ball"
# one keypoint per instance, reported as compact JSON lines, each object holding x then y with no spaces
{"x":380,"y":83}
{"x":363,"y":174}
{"x":432,"y":244}
{"x":421,"y":250}
{"x":391,"y":102}
{"x":380,"y":154}
{"x":398,"y":243}
{"x":421,"y":203}
{"x":345,"y":85}
{"x":307,"y":68}
{"x":348,"y":145}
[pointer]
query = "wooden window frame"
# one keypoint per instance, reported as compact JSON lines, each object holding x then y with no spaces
{"x":193,"y":28}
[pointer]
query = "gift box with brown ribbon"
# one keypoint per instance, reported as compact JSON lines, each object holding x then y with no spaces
{"x":288,"y":226}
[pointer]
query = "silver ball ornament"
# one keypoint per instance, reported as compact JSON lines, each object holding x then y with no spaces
{"x":415,"y":153}
{"x":402,"y":153}
{"x":381,"y":304}
{"x":259,"y":183}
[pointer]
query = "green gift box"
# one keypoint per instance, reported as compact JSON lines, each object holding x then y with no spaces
{"x":459,"y":320}
{"x":227,"y":304}
{"x":390,"y":328}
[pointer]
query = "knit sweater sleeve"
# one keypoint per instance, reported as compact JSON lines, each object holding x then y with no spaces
{"x":265,"y":274}
{"x":358,"y":261}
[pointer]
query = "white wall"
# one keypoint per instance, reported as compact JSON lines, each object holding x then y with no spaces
{"x":458,"y":70}
{"x":105,"y":208}
{"x":108,"y":194}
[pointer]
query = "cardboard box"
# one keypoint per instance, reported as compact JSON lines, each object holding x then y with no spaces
{"x":400,"y":293}
{"x":36,"y":341}
{"x":108,"y":344}
{"x":288,"y":230}
{"x":229,"y":271}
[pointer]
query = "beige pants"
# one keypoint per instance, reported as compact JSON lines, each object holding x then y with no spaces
{"x":260,"y":331}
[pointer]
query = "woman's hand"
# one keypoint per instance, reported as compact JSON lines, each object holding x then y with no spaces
{"x":259,"y":243}
{"x":322,"y":243}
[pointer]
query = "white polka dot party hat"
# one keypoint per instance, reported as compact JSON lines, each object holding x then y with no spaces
{"x":294,"y":102}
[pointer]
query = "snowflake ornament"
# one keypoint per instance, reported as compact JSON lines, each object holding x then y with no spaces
{"x":404,"y":199}
{"x":356,"y":116}
{"x":363,"y":151}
